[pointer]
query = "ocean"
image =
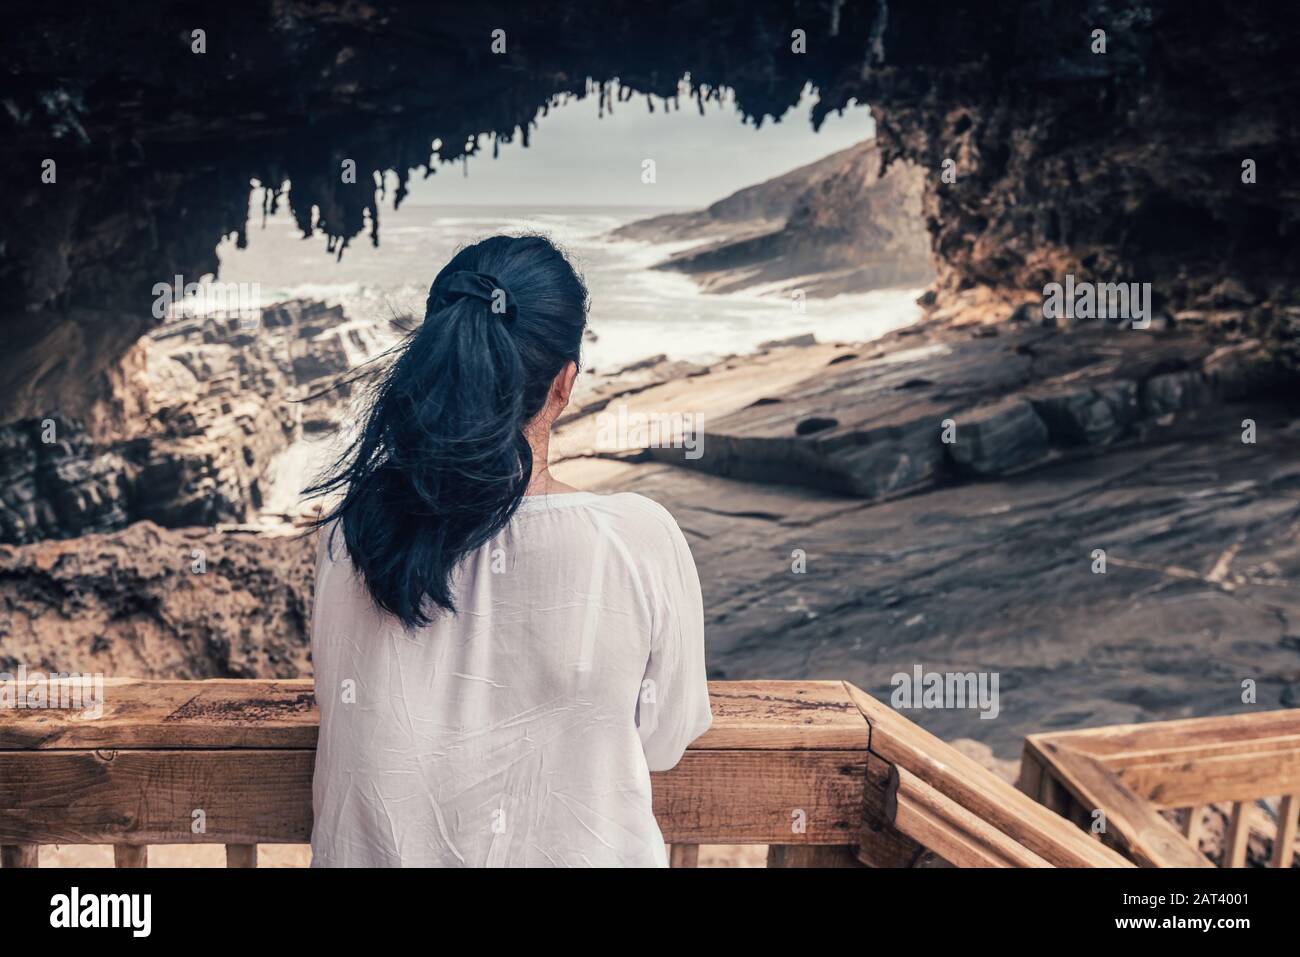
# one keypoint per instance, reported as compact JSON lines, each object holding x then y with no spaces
{"x":636,"y":311}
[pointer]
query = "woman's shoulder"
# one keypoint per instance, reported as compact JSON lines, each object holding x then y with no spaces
{"x":642,"y":519}
{"x":637,"y":504}
{"x":627,"y":505}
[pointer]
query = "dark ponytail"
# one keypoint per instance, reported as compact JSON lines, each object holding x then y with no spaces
{"x":441,"y":462}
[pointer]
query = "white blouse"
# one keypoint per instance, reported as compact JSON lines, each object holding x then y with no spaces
{"x":520,"y":732}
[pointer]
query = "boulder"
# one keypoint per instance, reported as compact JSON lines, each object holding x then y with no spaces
{"x":1087,"y":416}
{"x":1173,"y":392}
{"x":999,"y":438}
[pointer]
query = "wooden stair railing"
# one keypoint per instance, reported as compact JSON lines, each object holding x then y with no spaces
{"x":1121,"y":777}
{"x":818,"y":771}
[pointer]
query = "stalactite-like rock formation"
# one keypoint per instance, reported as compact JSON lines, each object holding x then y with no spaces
{"x":1124,"y":165}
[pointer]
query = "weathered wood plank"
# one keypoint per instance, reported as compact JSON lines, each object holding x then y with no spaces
{"x":220,"y":713}
{"x":1214,"y":778}
{"x":761,"y":797}
{"x":230,"y":714}
{"x":783,"y":715}
{"x":156,"y":797}
{"x":263,"y":796}
{"x":938,"y":764}
{"x":1284,"y":842}
{"x":945,"y":827}
{"x":1186,"y":739}
{"x":1132,"y":822}
{"x":20,"y":855}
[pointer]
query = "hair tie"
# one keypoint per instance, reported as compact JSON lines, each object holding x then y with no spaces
{"x":465,"y":284}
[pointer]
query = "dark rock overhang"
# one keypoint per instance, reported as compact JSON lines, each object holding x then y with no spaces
{"x":1121,"y":165}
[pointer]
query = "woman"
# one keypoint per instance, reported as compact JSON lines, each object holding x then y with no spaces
{"x":501,"y":660}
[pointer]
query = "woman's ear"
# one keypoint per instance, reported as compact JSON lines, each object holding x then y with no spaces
{"x":562,"y":387}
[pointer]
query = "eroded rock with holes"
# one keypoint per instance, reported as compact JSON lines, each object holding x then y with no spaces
{"x":932,"y":404}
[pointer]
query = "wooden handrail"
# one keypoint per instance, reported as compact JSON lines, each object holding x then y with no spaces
{"x":1149,"y":838}
{"x":950,"y":830}
{"x":1125,"y":775}
{"x":817,"y":770}
{"x":902,"y":743}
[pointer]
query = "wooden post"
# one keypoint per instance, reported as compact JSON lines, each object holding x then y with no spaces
{"x":1031,"y":774}
{"x":1284,"y":843}
{"x":1053,"y":795}
{"x":880,"y":844}
{"x":19,"y":855}
{"x":811,"y":855}
{"x":241,"y":855}
{"x":130,"y":855}
{"x":1234,"y":845}
{"x":1193,"y":825}
{"x":1081,"y":815}
{"x":684,"y":855}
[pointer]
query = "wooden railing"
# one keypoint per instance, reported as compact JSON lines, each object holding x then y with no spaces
{"x":1116,"y":781}
{"x":817,"y":770}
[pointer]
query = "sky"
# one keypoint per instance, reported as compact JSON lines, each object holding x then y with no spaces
{"x":577,"y":158}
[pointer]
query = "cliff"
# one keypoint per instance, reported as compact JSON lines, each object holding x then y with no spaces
{"x":763,"y":206}
{"x":837,"y":225}
{"x":213,"y":402}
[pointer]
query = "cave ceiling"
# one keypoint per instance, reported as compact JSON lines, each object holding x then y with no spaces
{"x":1124,"y":163}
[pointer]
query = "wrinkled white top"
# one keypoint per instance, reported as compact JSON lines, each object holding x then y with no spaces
{"x":521,"y":731}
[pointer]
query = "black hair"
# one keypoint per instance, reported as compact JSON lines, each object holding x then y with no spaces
{"x":441,"y":461}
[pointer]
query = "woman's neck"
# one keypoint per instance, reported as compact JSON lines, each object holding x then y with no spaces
{"x":542,"y":482}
